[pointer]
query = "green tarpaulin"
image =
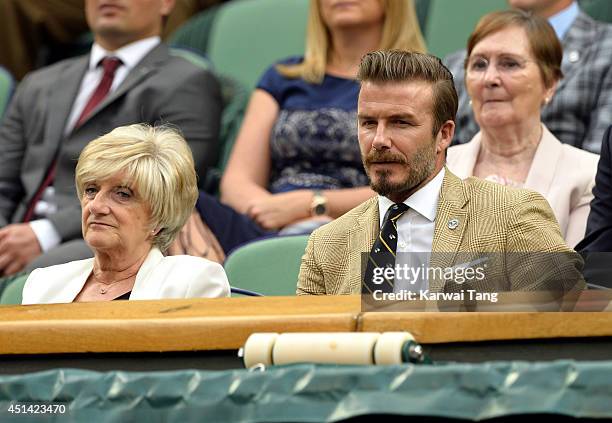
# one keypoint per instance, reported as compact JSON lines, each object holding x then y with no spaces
{"x":315,"y":393}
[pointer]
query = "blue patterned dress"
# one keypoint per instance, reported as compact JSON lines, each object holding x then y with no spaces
{"x":314,"y":143}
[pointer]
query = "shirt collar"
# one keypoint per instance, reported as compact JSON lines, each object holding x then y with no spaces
{"x":130,"y":54}
{"x":424,"y":201}
{"x":562,"y":21}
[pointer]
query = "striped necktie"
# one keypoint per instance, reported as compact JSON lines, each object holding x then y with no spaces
{"x":383,"y":252}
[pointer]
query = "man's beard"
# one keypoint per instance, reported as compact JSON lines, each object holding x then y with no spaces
{"x":418,"y":169}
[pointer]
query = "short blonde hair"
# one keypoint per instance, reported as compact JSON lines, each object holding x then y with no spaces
{"x":401,"y":31}
{"x":159,"y":164}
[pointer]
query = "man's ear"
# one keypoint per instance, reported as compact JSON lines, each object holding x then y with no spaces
{"x":445,"y":136}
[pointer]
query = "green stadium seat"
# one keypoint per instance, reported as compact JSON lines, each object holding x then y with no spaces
{"x":450,"y":22}
{"x":598,"y":9}
{"x":243,"y":37}
{"x":268,"y":266}
{"x":195,"y":33}
{"x":12,"y":288}
{"x":6,"y":90}
{"x":235,"y":98}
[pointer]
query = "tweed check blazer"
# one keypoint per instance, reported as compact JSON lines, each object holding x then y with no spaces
{"x":580,"y":110}
{"x":492,"y":219}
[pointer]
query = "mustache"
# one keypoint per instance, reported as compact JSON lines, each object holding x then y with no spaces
{"x":375,"y":156}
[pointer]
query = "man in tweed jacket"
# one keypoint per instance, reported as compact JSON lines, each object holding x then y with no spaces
{"x":406,"y":109}
{"x":581,"y":109}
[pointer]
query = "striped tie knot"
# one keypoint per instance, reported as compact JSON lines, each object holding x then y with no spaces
{"x":396,"y":211}
{"x":382,"y":254}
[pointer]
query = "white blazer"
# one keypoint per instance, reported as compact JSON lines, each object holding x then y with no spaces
{"x":563,"y":174}
{"x":159,"y":277}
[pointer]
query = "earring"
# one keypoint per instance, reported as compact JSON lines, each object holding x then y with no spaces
{"x":470,"y":102}
{"x":547,"y":100}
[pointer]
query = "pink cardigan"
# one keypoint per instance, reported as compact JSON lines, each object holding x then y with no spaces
{"x":563,"y":174}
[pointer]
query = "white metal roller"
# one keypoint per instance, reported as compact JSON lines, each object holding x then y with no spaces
{"x":388,"y":349}
{"x":258,"y":349}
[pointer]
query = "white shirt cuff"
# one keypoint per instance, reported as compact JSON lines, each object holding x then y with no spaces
{"x":46,"y":234}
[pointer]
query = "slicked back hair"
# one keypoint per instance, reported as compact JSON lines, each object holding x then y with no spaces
{"x":405,"y":66}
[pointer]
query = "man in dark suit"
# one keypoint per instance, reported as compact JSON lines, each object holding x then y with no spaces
{"x":579,"y":112}
{"x":128,"y":77}
{"x":596,"y":247}
{"x":599,"y":226}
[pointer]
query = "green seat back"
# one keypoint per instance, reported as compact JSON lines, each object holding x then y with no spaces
{"x":247,"y":36}
{"x":6,"y":89}
{"x":235,"y":97}
{"x":450,"y":22}
{"x":269,"y":266}
{"x":422,"y":11}
{"x":13,"y":288}
{"x":193,"y":57}
{"x":598,"y":9}
{"x":195,"y":33}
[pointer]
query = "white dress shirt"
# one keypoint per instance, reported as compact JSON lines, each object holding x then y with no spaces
{"x":130,"y":55}
{"x":415,"y":228}
{"x":562,"y":21}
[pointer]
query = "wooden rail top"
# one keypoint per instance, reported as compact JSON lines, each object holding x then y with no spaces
{"x":214,"y":324}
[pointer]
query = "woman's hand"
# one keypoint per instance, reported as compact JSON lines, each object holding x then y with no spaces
{"x":276,"y":211}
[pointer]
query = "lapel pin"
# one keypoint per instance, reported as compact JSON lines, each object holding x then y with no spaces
{"x":453,"y":223}
{"x":573,"y":56}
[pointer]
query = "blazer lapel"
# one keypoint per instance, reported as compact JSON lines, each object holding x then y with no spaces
{"x":73,"y":277}
{"x":61,"y":98}
{"x":360,"y":240}
{"x":577,"y":40}
{"x":449,"y":228}
{"x":543,"y":167}
{"x":146,"y":285}
{"x":147,"y":65}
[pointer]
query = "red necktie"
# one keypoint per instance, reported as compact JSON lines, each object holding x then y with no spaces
{"x":110,"y":65}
